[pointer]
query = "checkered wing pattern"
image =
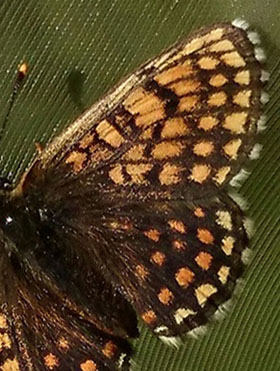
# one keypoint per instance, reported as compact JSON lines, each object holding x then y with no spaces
{"x":44,"y":323}
{"x":185,"y":122}
{"x":131,"y":208}
{"x":177,"y":260}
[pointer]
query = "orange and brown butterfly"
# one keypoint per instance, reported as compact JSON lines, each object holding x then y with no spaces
{"x":127,"y":212}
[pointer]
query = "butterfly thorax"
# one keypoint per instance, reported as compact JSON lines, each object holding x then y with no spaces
{"x":18,"y":225}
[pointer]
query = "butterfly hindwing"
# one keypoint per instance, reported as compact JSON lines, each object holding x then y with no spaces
{"x":31,"y":344}
{"x":171,"y":257}
{"x":43,"y":332}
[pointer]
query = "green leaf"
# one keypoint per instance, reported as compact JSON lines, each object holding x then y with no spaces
{"x":77,"y":50}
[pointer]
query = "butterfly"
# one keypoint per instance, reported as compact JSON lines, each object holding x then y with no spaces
{"x":126,"y":214}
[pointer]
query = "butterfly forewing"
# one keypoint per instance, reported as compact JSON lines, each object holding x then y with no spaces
{"x":190,"y":120}
{"x":129,"y":209}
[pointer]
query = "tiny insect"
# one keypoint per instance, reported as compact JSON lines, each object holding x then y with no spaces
{"x":127,"y":212}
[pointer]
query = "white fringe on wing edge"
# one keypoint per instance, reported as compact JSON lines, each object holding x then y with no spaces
{"x":239,"y":178}
{"x":260,"y":54}
{"x":198,"y":331}
{"x":264,"y":97}
{"x":249,"y":227}
{"x":226,"y":307}
{"x":160,"y":329}
{"x":246,"y":256}
{"x":254,"y":37}
{"x":265,"y":76}
{"x":255,"y":152}
{"x":261,"y":124}
{"x":172,"y":341}
{"x":240,"y":23}
{"x":241,"y":202}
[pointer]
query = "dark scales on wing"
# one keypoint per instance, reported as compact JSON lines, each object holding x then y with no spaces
{"x":127,"y":211}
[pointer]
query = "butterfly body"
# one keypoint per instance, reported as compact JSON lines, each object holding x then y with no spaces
{"x":127,"y":212}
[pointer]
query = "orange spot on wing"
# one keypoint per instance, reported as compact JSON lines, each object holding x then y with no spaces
{"x":214,"y":35}
{"x":174,"y":73}
{"x":218,"y":80}
{"x":200,"y":173}
{"x":208,"y":63}
{"x":158,"y":258}
{"x":141,"y":271}
{"x":205,"y":236}
{"x":88,"y":365}
{"x":3,"y":322}
{"x":228,"y":245}
{"x":63,"y":344}
{"x":221,"y":46}
{"x":242,"y":98}
{"x":177,"y":225}
{"x":99,"y":154}
{"x":86,"y":141}
{"x":199,"y":213}
{"x":5,"y":341}
{"x":174,"y":127}
{"x":184,"y":87}
{"x":203,"y":148}
{"x":109,"y":349}
{"x":235,"y":122}
{"x":149,"y":118}
{"x":217,"y":99}
{"x":135,"y":153}
{"x":51,"y":361}
{"x":165,"y":296}
{"x":184,"y":276}
{"x":207,"y":122}
{"x":223,"y":274}
{"x":123,"y":224}
{"x":221,"y":174}
{"x":147,"y":107}
{"x":204,"y":259}
{"x":136,"y":96}
{"x":109,"y":134}
{"x":242,"y":78}
{"x":203,"y":292}
{"x":116,"y":174}
{"x":233,"y":59}
{"x":167,"y":149}
{"x":77,"y":159}
{"x":153,"y":234}
{"x":188,"y":103}
{"x":179,"y":245}
{"x":138,"y":171}
{"x":170,"y":174}
{"x":231,"y":148}
{"x":10,"y":365}
{"x":147,"y":133}
{"x":149,"y":317}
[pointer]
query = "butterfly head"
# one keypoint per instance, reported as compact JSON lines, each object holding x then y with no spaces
{"x":5,"y":184}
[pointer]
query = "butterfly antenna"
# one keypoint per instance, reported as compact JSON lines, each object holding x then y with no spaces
{"x":22,"y":72}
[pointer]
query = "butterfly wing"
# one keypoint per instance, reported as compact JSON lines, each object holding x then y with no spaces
{"x":186,"y":119}
{"x":178,"y":261}
{"x":41,"y":328}
{"x":178,"y":131}
{"x":136,"y":186}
